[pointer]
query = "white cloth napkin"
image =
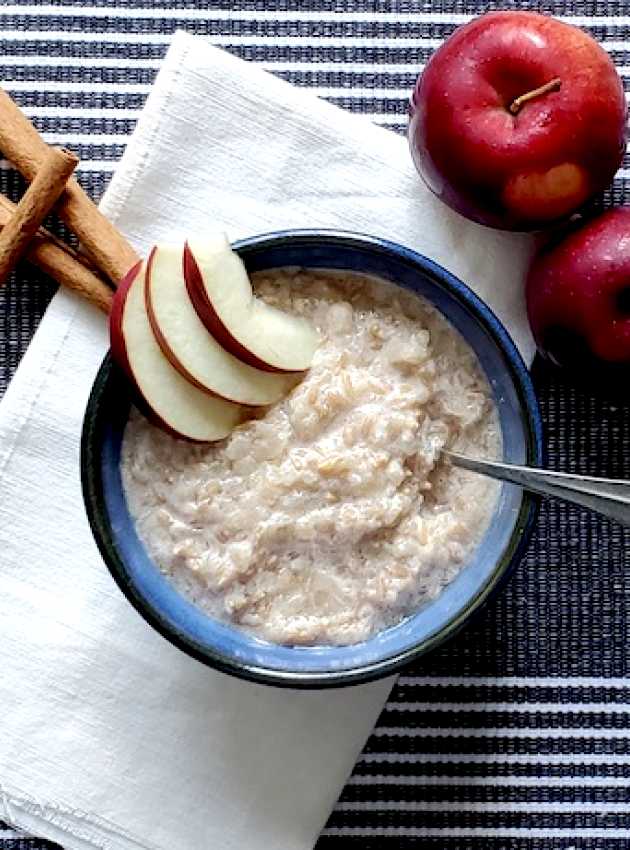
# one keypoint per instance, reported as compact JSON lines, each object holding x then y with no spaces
{"x":109,"y":737}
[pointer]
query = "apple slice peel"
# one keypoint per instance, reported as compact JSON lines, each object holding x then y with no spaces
{"x":258,"y":333}
{"x":188,"y":345}
{"x":177,"y":406}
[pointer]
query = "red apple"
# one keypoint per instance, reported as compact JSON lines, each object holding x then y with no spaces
{"x":578,"y":297}
{"x":517,"y":120}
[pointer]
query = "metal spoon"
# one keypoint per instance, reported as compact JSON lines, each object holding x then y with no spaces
{"x":607,"y":496}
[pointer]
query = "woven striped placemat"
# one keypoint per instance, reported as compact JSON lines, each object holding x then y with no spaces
{"x":515,"y":735}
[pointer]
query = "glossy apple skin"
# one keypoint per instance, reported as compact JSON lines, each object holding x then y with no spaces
{"x":578,"y":298}
{"x":524,"y":171}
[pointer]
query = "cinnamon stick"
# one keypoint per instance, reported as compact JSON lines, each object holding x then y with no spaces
{"x":24,"y":147}
{"x":61,"y":262}
{"x":34,"y":206}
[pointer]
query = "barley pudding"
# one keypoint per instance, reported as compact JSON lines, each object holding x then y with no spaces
{"x":332,"y":514}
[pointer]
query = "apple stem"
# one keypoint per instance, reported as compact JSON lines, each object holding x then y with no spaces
{"x":518,"y":103}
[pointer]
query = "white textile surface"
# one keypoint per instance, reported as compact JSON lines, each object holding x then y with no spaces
{"x":110,"y":737}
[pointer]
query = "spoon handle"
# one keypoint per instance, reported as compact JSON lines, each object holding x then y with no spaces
{"x":609,"y":497}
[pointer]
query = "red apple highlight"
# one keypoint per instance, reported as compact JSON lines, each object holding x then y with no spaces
{"x":175,"y":405}
{"x":578,"y":297}
{"x":517,"y":120}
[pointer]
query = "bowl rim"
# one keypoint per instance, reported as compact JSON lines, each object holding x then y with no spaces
{"x":91,"y":481}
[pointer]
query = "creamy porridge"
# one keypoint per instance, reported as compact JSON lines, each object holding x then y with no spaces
{"x":331,"y":515}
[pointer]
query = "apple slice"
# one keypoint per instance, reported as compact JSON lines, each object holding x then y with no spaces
{"x":257,"y":333}
{"x":192,"y":350}
{"x":177,"y":406}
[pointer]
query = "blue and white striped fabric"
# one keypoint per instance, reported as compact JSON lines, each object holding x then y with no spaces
{"x":516,"y":735}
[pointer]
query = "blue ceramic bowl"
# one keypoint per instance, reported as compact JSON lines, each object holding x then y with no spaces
{"x":235,"y":652}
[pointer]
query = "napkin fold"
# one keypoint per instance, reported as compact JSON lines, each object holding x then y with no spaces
{"x":109,"y":737}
